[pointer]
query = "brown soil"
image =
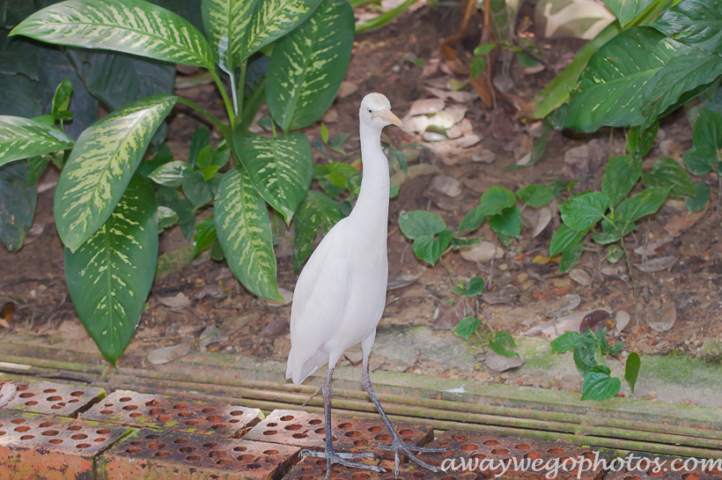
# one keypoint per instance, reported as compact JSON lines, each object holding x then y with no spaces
{"x":34,"y":278}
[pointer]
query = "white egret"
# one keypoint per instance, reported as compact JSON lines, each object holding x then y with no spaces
{"x":341,"y":293}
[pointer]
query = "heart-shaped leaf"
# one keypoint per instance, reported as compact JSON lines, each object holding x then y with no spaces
{"x":109,"y":276}
{"x":101,"y":165}
{"x":620,"y":176}
{"x":420,"y":223}
{"x":583,"y":211}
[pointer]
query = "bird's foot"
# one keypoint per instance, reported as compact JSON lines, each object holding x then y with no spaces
{"x":399,"y":445}
{"x":342,"y":459}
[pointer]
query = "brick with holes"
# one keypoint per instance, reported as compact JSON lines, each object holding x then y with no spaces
{"x":643,"y":466}
{"x":35,"y":446}
{"x":158,"y":455}
{"x":523,"y":458}
{"x":315,"y":469}
{"x":163,"y":412}
{"x":52,"y":397}
{"x":291,"y":427}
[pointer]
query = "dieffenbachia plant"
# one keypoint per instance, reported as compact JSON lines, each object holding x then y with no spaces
{"x":109,"y":201}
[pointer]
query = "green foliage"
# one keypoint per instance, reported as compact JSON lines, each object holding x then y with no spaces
{"x":467,"y":327}
{"x":473,"y":289}
{"x":429,"y":233}
{"x":503,"y":344}
{"x":590,"y":350}
{"x":108,"y":212}
{"x":110,"y":275}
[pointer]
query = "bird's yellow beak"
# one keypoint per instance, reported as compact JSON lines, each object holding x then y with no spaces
{"x":390,"y":117}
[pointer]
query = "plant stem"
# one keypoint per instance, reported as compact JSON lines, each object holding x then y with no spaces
{"x":448,"y":270}
{"x":719,"y":191}
{"x":226,"y":100}
{"x":631,"y":278}
{"x":241,"y":88}
{"x":208,"y":115}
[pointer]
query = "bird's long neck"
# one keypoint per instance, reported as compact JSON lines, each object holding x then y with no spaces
{"x":372,"y":206}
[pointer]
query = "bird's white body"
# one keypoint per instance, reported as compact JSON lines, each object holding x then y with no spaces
{"x":341,"y":292}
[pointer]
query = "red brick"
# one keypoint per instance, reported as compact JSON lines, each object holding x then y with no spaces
{"x":494,"y":448}
{"x":662,"y":468}
{"x":53,"y":398}
{"x":34,"y":446}
{"x":169,"y":413}
{"x":291,"y":427}
{"x":156,"y":455}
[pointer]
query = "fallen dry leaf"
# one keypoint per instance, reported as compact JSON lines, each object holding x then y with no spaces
{"x":656,"y":264}
{"x":459,"y":96}
{"x":211,"y":334}
{"x":679,"y":223}
{"x":426,"y":106}
{"x":7,"y":393}
{"x":178,"y":302}
{"x":346,"y":89}
{"x":163,"y":355}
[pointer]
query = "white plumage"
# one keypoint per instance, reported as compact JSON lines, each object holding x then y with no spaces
{"x":341,"y":292}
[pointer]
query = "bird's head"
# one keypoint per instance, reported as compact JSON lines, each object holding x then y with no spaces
{"x":376,"y":111}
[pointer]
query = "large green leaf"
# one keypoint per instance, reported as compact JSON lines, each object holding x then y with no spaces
{"x":22,"y":138}
{"x":242,"y":27}
{"x":244,"y":232}
{"x":101,"y":165}
{"x":130,"y":26}
{"x":610,"y":89}
{"x":109,"y":276}
{"x":557,"y":91}
{"x":318,"y":211}
{"x":308,"y":66}
{"x":697,"y":23}
{"x":280,"y":168}
{"x":687,"y":74}
{"x":627,"y":10}
{"x":17,"y":204}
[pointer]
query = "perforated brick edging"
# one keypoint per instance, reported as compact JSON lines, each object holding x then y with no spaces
{"x":34,"y":446}
{"x":169,"y":413}
{"x":647,"y":467}
{"x":156,"y":455}
{"x":527,"y":458}
{"x":52,"y":398}
{"x":315,"y":469}
{"x":306,"y":430}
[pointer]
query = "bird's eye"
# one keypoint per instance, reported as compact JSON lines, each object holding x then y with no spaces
{"x":371,"y":111}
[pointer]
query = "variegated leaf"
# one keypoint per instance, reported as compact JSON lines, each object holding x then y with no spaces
{"x":308,"y":66}
{"x":240,"y":28}
{"x":101,"y":165}
{"x":22,"y":138}
{"x":130,"y":26}
{"x":280,"y":168}
{"x":110,"y":276}
{"x":244,"y":232}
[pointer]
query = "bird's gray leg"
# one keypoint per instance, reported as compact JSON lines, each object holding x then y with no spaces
{"x":397,"y":443}
{"x":331,"y":456}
